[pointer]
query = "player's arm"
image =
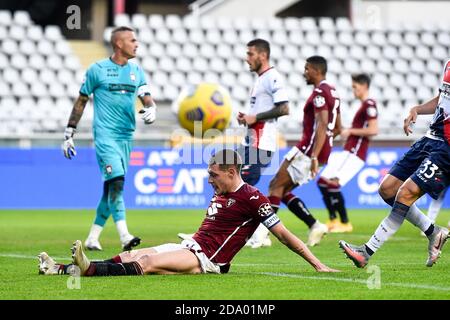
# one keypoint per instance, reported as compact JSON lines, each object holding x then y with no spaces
{"x":148,"y":112}
{"x":428,"y":107}
{"x":298,"y":246}
{"x":75,"y":116}
{"x":338,"y":126}
{"x":280,"y":109}
{"x":369,"y":131}
{"x":319,"y":139}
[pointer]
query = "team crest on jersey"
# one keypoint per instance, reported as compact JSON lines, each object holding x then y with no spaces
{"x":230,"y":202}
{"x":371,"y":112}
{"x":265,"y":209}
{"x":319,"y":101}
{"x":108,"y":169}
{"x":132,"y":76}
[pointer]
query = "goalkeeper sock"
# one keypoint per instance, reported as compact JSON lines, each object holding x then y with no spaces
{"x":116,"y":203}
{"x":102,"y":213}
{"x":114,"y":269}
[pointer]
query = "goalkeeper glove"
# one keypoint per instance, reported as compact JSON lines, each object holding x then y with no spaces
{"x":68,"y":146}
{"x":148,"y":114}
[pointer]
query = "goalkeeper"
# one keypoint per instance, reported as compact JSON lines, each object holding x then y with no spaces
{"x":114,"y":82}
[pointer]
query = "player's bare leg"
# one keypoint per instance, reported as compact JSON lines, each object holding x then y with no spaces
{"x":173,"y":262}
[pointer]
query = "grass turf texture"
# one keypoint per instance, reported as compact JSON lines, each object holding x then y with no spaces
{"x":268,"y":273}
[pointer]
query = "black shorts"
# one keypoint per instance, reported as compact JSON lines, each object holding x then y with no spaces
{"x":427,"y":163}
{"x":254,"y":161}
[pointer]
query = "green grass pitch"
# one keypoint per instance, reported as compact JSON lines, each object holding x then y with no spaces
{"x":265,"y":274}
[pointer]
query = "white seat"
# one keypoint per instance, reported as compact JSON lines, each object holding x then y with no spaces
{"x":158,"y":77}
{"x":308,"y":24}
{"x":122,"y":19}
{"x":326,"y":24}
{"x":373,"y":52}
{"x":200,"y":64}
{"x":194,"y":78}
{"x":435,"y":66}
{"x":163,"y":36}
{"x":56,"y":90}
{"x":47,"y":76}
{"x":65,"y":76}
{"x":139,"y":20}
{"x":258,"y":23}
{"x":190,"y":50}
{"x":335,"y":64}
{"x":191,"y":22}
{"x":217,"y":65}
{"x":11,"y":75}
{"x":27,"y":47}
{"x":36,"y":61}
{"x":397,"y":80}
{"x":241,"y":23}
{"x":428,"y":38}
{"x":245,"y":79}
{"x":224,"y":50}
{"x":245,"y":36}
{"x":53,"y":33}
{"x":239,"y":93}
{"x":166,"y":64}
{"x":145,"y":36}
{"x":173,"y":50}
{"x":390,"y":52}
{"x":196,"y":36}
{"x":207,"y":50}
{"x":406,"y":52}
{"x":228,"y":79}
{"x":291,"y":51}
{"x":18,"y":61}
{"x":63,"y":48}
{"x":292,"y":24}
{"x":154,"y":21}
{"x":235,"y":65}
{"x":183,"y":64}
{"x":17,"y":32}
{"x":389,"y":93}
{"x":385,"y":66}
{"x":296,"y":38}
{"x":5,"y":17}
{"x":230,"y":36}
{"x":279,"y":37}
{"x":107,"y":35}
{"x":356,"y":52}
{"x":329,"y":38}
{"x":73,"y":90}
{"x":401,"y":66}
{"x":177,"y":78}
{"x":4,"y":62}
{"x":9,"y":46}
{"x":412,"y":38}
{"x":19,"y":89}
{"x":284,"y":66}
{"x":394,"y":38}
{"x":306,"y":52}
{"x":54,"y":62}
{"x":430,"y":80}
{"x":179,"y":35}
{"x":72,"y":62}
{"x":346,"y":38}
{"x":362,"y":38}
{"x":424,"y":93}
{"x":368,"y":66}
{"x":240,"y":50}
{"x":223,"y":23}
{"x":295,"y":79}
{"x":38,"y":89}
{"x":45,"y":47}
{"x":324,"y":51}
{"x":211,"y":77}
{"x":213,"y":36}
{"x":207,"y":23}
{"x":439,"y":52}
{"x":275,"y":24}
{"x":379,"y":38}
{"x":156,"y":50}
{"x":312,"y":38}
{"x":149,"y":63}
{"x":173,"y":21}
{"x":343,"y":24}
{"x":4,"y":92}
{"x":407,"y":92}
{"x":35,"y":33}
{"x":22,"y":18}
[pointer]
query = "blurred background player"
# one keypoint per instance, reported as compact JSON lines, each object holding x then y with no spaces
{"x":235,"y":211}
{"x":425,"y":168}
{"x":115,"y":82}
{"x":343,"y":166}
{"x":268,"y":102}
{"x":321,"y":120}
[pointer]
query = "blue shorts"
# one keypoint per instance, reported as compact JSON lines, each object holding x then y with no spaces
{"x":427,"y":163}
{"x":254,"y":161}
{"x":113,"y":157}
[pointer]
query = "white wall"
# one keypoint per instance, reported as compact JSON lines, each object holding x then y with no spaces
{"x":382,"y":13}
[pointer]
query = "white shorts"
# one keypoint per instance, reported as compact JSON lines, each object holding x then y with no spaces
{"x":191,"y":245}
{"x":300,"y":167}
{"x":343,"y":166}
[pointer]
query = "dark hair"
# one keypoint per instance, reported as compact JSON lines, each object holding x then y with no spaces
{"x":260,"y":45}
{"x":361,"y":78}
{"x":319,"y":63}
{"x":116,"y":30}
{"x":226,"y":158}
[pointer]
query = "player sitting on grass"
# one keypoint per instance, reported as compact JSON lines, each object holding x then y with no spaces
{"x":234,"y":213}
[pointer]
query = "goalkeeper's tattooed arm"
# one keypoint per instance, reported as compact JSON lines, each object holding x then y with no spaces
{"x":77,"y":111}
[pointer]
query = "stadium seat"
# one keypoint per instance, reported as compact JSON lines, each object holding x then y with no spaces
{"x":173,"y":21}
{"x":183,"y":64}
{"x":21,"y":18}
{"x":5,"y":17}
{"x":139,"y":21}
{"x":122,"y":19}
{"x":163,"y":36}
{"x":53,"y":33}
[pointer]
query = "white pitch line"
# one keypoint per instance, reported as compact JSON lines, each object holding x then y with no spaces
{"x":394,"y":284}
{"x":334,"y":264}
{"x":23,"y":256}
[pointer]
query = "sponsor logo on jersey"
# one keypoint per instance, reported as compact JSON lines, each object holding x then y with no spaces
{"x":265,"y":210}
{"x":372,"y":112}
{"x":132,"y":76}
{"x":108,"y":169}
{"x":319,"y":101}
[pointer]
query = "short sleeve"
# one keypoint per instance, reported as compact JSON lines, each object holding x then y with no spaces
{"x":277,"y":89}
{"x":89,"y":82}
{"x":371,"y":110}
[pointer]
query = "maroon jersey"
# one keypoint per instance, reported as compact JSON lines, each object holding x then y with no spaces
{"x":357,"y":144}
{"x":231,"y":220}
{"x":323,"y":97}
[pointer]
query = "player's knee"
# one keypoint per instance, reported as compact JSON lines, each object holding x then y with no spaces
{"x":408,"y":192}
{"x":147,"y":263}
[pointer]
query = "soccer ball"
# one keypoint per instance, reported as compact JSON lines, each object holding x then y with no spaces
{"x":204,"y":106}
